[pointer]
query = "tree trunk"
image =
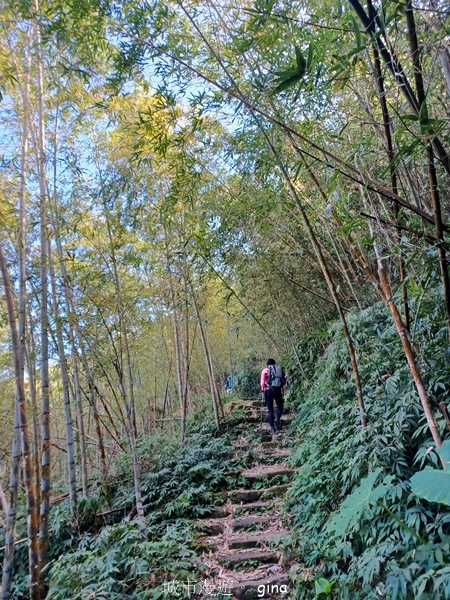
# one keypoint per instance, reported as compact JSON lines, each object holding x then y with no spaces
{"x":178,"y":359}
{"x":384,"y":290}
{"x":187,"y":402}
{"x":177,"y":344}
{"x":30,"y":358}
{"x":230,"y":354}
{"x":445,"y":62}
{"x":3,"y":501}
{"x":407,"y":347}
{"x":211,"y":368}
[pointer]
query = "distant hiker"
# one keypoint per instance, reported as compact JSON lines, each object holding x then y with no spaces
{"x":229,"y":384}
{"x":273,"y":378}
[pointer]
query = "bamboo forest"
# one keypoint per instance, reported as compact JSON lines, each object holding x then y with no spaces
{"x":225,"y":299}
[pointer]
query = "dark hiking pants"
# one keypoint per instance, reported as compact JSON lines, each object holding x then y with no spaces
{"x":274,"y":394}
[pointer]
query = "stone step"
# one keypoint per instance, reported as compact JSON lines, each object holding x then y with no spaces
{"x":269,"y":471}
{"x":274,"y":449}
{"x":252,"y":506}
{"x":233,"y":474}
{"x":270,"y":445}
{"x":257,"y":555}
{"x":247,"y":405}
{"x":255,"y":417}
{"x":256,"y":403}
{"x":276,"y":586}
{"x":266,"y":426}
{"x":255,"y":540}
{"x":282,"y":452}
{"x":211,"y":526}
{"x":252,"y":495}
{"x":245,"y":522}
{"x":275,"y":457}
{"x":220,"y":512}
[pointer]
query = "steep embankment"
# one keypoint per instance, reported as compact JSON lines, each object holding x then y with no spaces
{"x":384,"y":541}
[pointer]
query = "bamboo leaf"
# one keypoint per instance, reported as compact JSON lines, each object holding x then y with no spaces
{"x":287,"y":73}
{"x":287,"y":83}
{"x":355,"y":51}
{"x":301,"y":62}
{"x":357,"y":34}
{"x":410,"y":118}
{"x":310,"y":57}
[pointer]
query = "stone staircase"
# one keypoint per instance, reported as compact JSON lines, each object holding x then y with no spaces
{"x":242,"y":546}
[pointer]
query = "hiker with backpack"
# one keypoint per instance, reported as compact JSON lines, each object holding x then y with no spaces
{"x":273,"y":378}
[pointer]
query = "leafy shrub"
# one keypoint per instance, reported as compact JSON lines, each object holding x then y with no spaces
{"x":119,"y":560}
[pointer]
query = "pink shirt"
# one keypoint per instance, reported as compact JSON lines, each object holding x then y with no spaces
{"x":264,"y":377}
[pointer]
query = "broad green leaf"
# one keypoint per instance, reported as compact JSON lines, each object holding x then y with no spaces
{"x":444,"y":453}
{"x":434,"y":484}
{"x":357,"y":502}
{"x":323,"y":587}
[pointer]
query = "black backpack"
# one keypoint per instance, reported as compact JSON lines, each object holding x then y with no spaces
{"x":277,"y":378}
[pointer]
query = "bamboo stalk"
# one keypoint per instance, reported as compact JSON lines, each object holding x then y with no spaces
{"x":432,"y":176}
{"x":45,"y":391}
{"x":65,"y":388}
{"x":21,"y":419}
{"x":207,"y":356}
{"x":128,"y":401}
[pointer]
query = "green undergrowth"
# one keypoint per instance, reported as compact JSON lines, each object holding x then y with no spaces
{"x":361,"y":528}
{"x":108,"y":556}
{"x":390,"y":543}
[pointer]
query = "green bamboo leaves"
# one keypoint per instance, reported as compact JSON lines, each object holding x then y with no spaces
{"x":434,"y":484}
{"x":289,"y":77}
